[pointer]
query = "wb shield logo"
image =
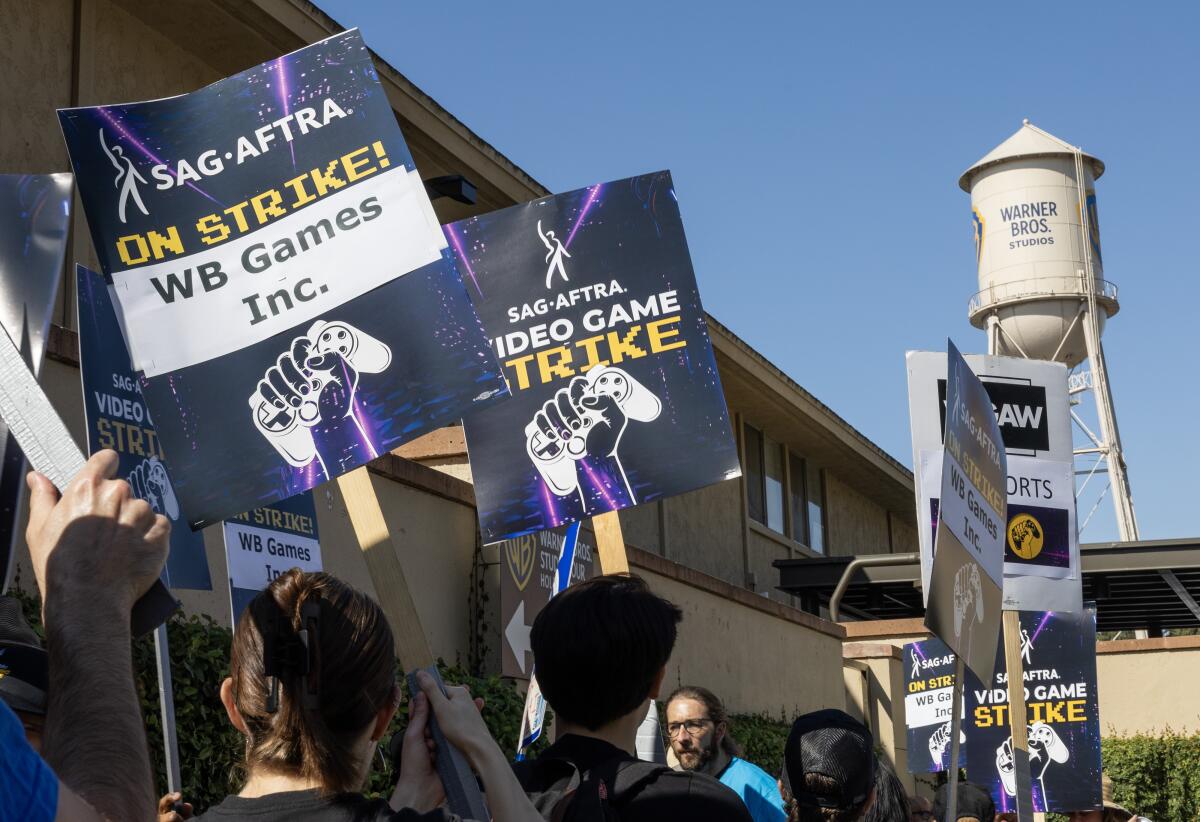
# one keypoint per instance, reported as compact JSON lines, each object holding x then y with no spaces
{"x":520,"y":553}
{"x":128,"y":178}
{"x":977,"y":225}
{"x":1025,"y":536}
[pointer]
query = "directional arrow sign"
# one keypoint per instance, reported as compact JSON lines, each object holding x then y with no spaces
{"x":517,"y":635}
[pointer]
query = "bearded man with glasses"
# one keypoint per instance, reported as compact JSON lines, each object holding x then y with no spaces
{"x":698,"y":728}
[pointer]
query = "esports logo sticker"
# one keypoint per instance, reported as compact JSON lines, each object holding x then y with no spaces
{"x":591,"y":305}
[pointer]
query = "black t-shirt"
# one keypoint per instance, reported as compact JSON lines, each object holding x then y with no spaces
{"x":310,"y":806}
{"x":665,"y":795}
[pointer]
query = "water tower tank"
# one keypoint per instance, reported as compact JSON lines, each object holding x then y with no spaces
{"x":1030,"y":248}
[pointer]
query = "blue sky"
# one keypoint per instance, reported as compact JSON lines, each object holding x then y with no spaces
{"x":815,"y":151}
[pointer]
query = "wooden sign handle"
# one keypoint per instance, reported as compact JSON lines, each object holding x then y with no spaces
{"x":383,"y":564}
{"x":1018,"y":721}
{"x":610,"y":543}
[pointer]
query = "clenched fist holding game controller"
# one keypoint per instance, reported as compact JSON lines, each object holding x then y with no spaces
{"x":586,"y":420}
{"x":304,"y":404}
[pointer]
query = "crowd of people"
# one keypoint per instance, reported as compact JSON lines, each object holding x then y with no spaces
{"x":312,"y":689}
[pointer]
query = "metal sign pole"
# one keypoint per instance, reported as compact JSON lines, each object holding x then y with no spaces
{"x":955,"y":733}
{"x":166,"y":702}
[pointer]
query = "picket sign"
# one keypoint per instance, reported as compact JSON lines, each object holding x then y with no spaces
{"x":1018,"y":721}
{"x":610,"y":543}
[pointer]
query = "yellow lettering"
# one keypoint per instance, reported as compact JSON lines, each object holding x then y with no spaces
{"x":143,"y":250}
{"x":521,"y":366}
{"x":212,"y":230}
{"x":657,"y":333}
{"x":621,"y":347}
{"x":353,"y":166}
{"x":266,"y":206}
{"x":548,"y":370}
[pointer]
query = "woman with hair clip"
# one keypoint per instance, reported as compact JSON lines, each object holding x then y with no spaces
{"x":312,"y":688}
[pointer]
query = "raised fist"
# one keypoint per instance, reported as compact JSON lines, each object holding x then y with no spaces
{"x":968,"y":596}
{"x":939,"y":741}
{"x":149,"y":481}
{"x":313,"y":385}
{"x":585,"y":419}
{"x":1045,"y":747}
{"x":1006,"y":766}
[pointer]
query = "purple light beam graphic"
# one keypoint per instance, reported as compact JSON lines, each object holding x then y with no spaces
{"x":592,"y":195}
{"x":462,"y":255}
{"x":1045,"y":618}
{"x":281,"y":70}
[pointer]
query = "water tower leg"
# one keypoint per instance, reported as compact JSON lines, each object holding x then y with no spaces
{"x":1109,"y":433}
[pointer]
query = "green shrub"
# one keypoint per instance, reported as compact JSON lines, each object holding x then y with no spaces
{"x":762,"y":739}
{"x":210,"y":749}
{"x":1155,"y":776}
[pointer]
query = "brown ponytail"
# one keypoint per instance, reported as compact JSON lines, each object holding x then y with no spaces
{"x":320,"y":715}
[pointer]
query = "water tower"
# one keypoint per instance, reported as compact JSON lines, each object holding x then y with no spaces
{"x":1041,"y":289}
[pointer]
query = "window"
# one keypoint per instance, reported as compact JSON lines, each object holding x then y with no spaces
{"x":783,"y":491}
{"x":798,"y":498}
{"x":773,"y":462}
{"x":816,"y":512}
{"x":755,"y":492}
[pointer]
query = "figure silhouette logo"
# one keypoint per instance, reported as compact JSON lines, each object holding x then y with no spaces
{"x":520,"y":553}
{"x":127,"y":180}
{"x":1025,"y":536}
{"x":555,"y":251}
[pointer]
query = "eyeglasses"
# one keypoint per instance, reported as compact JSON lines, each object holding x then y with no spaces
{"x":694,"y":727}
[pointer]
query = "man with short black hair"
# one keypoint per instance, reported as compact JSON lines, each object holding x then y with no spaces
{"x":600,"y":650}
{"x":828,"y":768}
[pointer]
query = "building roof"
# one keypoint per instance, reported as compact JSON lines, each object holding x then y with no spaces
{"x":1152,"y":584}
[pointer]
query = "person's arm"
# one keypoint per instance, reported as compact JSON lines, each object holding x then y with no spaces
{"x":461,"y":722}
{"x":95,"y":550}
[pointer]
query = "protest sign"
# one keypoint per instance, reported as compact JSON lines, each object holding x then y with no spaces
{"x":928,"y":694}
{"x":591,"y":305}
{"x":263,"y":543}
{"x":255,"y":234}
{"x":529,"y":567}
{"x":1058,"y":652}
{"x":34,"y":215}
{"x":117,"y":418}
{"x":965,"y":583}
{"x":1030,"y":400}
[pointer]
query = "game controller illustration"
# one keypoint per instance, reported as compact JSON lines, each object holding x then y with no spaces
{"x":586,"y":419}
{"x":314,"y":382}
{"x":939,"y":741}
{"x":1045,"y":748}
{"x":149,"y":481}
{"x":968,"y":592}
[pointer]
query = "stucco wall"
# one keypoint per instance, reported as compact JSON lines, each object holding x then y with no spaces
{"x":1146,"y":685}
{"x":768,"y":659}
{"x":856,"y":524}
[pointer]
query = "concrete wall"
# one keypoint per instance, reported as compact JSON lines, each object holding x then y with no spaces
{"x":856,"y":524}
{"x":1147,"y":685}
{"x":874,"y":680}
{"x":757,"y":655}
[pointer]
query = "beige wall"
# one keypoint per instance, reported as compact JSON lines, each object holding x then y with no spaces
{"x":1147,"y":685}
{"x":874,"y":679}
{"x":856,"y":524}
{"x":759,"y":658}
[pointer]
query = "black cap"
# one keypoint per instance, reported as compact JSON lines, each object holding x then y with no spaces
{"x":24,"y":665}
{"x":973,"y":800}
{"x":837,"y":746}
